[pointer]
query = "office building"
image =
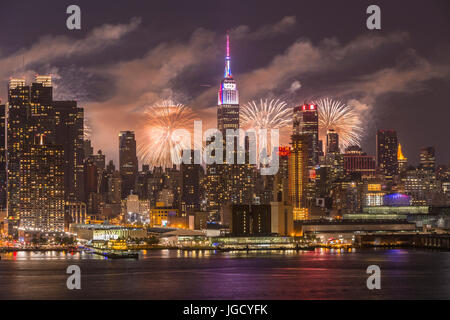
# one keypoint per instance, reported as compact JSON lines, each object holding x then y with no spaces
{"x":387,"y":151}
{"x":128,"y":162}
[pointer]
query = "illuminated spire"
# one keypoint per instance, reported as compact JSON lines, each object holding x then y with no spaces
{"x":228,"y":93}
{"x":400,"y":155}
{"x":228,"y":59}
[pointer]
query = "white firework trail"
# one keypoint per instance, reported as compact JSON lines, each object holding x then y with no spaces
{"x":334,"y":114}
{"x":266,"y":114}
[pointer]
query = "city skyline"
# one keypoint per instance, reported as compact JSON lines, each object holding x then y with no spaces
{"x":226,"y":150}
{"x":187,"y":68}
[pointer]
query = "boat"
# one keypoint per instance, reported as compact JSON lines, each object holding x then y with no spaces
{"x":121,"y":255}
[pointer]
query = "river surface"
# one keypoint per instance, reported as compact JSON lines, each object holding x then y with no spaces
{"x":172,"y":274}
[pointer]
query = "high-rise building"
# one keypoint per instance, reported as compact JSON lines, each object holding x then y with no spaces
{"x":41,"y":191}
{"x":298,"y":176}
{"x":191,"y":174}
{"x":427,"y":158}
{"x":32,"y":113}
{"x":2,"y":157}
{"x":332,"y":141}
{"x":306,"y":122}
{"x":91,"y":186}
{"x":128,"y":162}
{"x":88,"y":150}
{"x":387,"y":150}
{"x":357,"y":161}
{"x":18,"y":136}
{"x":402,"y":160}
{"x":229,"y":182}
{"x":69,"y":134}
{"x":228,"y":98}
{"x":100,"y":160}
{"x":114,"y":187}
{"x":421,"y":185}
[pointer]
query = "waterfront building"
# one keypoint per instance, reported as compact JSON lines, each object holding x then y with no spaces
{"x":106,"y":232}
{"x":161,"y":214}
{"x":251,"y":220}
{"x":41,"y":192}
{"x":39,"y":131}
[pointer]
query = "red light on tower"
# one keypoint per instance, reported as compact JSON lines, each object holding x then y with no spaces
{"x":284,"y":151}
{"x":312,"y":107}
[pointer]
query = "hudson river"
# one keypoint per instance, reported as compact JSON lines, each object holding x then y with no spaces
{"x":171,"y":274}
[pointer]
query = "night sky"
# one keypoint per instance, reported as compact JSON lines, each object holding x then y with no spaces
{"x":129,"y":54}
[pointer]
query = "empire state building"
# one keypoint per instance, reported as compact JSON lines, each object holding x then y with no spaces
{"x":228,"y":98}
{"x":228,"y":182}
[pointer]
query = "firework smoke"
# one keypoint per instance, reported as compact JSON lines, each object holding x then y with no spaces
{"x":158,"y":144}
{"x":87,"y":130}
{"x":334,"y":114}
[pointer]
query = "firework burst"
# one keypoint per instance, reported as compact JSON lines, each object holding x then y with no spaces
{"x":267,"y":114}
{"x":334,"y":114}
{"x":160,"y":144}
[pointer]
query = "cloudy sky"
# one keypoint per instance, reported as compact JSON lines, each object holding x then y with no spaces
{"x":130,"y":54}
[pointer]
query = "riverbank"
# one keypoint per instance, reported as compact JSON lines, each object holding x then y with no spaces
{"x":43,"y":249}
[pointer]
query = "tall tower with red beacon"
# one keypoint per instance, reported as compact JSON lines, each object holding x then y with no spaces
{"x":306,"y":122}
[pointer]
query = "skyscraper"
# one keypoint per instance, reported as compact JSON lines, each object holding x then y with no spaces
{"x":306,"y":122}
{"x":357,"y":161}
{"x":128,"y":162}
{"x":387,"y":150}
{"x":402,"y":160}
{"x":427,"y":158}
{"x":298,"y":176}
{"x":30,"y":114}
{"x":69,"y":134}
{"x":41,"y":192}
{"x":229,"y":181}
{"x":33,"y":113}
{"x":91,"y":185}
{"x":191,"y":175}
{"x":18,"y":136}
{"x":228,"y":98}
{"x":332,"y":141}
{"x":2,"y":157}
